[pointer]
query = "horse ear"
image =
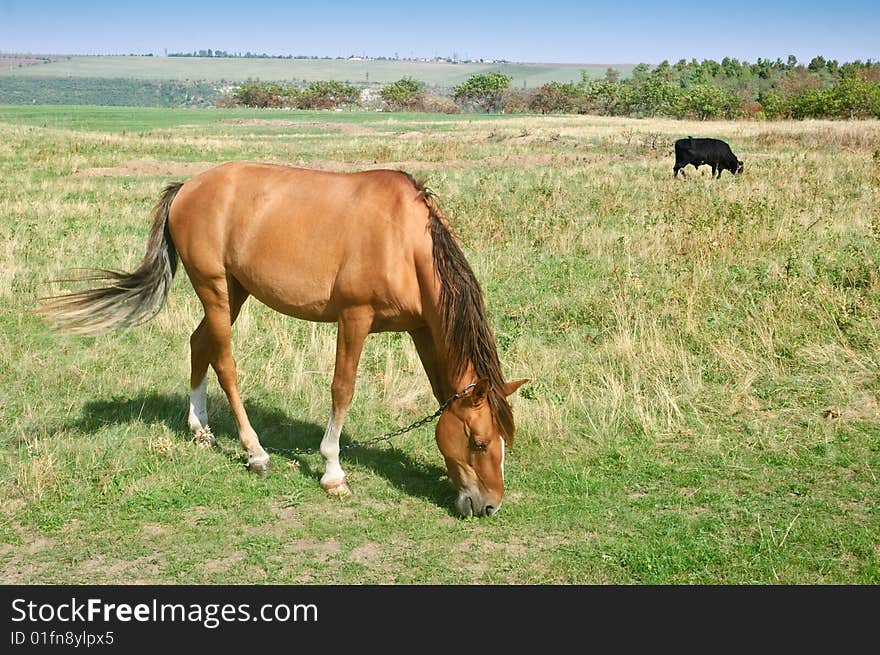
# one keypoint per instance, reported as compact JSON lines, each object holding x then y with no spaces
{"x":510,"y":387}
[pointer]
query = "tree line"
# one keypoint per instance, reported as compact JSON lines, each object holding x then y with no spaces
{"x":317,"y":95}
{"x":707,"y":89}
{"x":727,"y":89}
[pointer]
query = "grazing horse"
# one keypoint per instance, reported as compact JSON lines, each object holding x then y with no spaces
{"x":370,"y":251}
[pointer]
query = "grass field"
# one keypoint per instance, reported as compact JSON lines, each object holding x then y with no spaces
{"x":353,"y":71}
{"x":703,"y":404}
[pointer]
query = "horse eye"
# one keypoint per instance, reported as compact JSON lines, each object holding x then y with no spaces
{"x":472,"y":442}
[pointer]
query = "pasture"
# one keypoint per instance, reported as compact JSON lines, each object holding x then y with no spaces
{"x":703,"y":405}
{"x":308,"y":70}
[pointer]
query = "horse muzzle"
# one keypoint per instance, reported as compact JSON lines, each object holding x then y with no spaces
{"x":471,"y":503}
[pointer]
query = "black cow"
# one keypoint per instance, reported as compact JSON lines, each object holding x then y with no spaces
{"x":714,"y":152}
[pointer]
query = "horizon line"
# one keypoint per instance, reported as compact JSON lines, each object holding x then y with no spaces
{"x":428,"y":60}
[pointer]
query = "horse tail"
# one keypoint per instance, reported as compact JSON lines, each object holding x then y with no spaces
{"x":126,"y":299}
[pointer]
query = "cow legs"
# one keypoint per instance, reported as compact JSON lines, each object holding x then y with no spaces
{"x":211,"y":344}
{"x":354,"y":326}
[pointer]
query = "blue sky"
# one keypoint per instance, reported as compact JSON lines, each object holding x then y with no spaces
{"x":536,"y":31}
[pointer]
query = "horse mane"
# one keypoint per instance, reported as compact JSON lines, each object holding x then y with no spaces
{"x":466,"y":331}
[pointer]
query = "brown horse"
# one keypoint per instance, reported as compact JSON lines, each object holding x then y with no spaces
{"x":370,"y":251}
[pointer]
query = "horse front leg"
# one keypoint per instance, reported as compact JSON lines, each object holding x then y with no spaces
{"x":424,"y":344}
{"x":354,"y":326}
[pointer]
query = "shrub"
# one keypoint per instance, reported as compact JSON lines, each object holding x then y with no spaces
{"x":516,"y":101}
{"x":439,"y":105}
{"x":558,"y":98}
{"x":813,"y":103}
{"x":264,"y":94}
{"x":327,"y":95}
{"x":774,"y":105}
{"x":706,"y":101}
{"x":483,"y":90}
{"x":406,"y":94}
{"x":854,"y":97}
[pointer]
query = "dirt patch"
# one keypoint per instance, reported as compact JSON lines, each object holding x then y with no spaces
{"x":286,"y":520}
{"x":491,"y":549}
{"x":154,"y":529}
{"x":19,"y":568}
{"x":323,"y":550}
{"x":148,"y":168}
{"x":223,"y":564}
{"x":12,"y":506}
{"x":121,"y":569}
{"x":288,"y":517}
{"x":517,"y":547}
{"x":98,"y":569}
{"x":370,"y":554}
{"x":90,"y":567}
{"x":344,"y":128}
{"x":38,"y":544}
{"x":197,"y":512}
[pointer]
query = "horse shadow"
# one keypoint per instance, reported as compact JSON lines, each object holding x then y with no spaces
{"x":279,"y":435}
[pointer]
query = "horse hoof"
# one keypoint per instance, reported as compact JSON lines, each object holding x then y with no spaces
{"x":204,"y":438}
{"x":260,"y":465}
{"x":337,"y":487}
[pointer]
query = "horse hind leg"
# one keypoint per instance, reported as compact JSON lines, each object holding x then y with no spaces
{"x":354,"y":326}
{"x":211,"y":344}
{"x":198,"y":387}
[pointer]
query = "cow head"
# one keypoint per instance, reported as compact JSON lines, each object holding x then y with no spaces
{"x":739,"y":166}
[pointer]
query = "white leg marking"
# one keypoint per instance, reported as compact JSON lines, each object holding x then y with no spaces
{"x":198,"y":406}
{"x":333,"y":473}
{"x":502,"y":459}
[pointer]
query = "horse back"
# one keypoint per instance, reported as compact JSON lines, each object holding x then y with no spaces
{"x":304,"y":242}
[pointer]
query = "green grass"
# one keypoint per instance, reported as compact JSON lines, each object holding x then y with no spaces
{"x":703,"y":404}
{"x":150,"y":119}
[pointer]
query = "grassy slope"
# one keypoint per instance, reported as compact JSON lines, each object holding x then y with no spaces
{"x":237,"y":70}
{"x":703,"y":405}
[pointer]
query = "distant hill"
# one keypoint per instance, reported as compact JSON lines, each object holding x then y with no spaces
{"x":239,"y":69}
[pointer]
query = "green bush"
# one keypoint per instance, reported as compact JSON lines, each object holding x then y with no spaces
{"x":328,"y":95}
{"x":265,"y":94}
{"x":405,"y":94}
{"x":705,"y":101}
{"x":557,"y":98}
{"x":774,"y":105}
{"x":484,"y":90}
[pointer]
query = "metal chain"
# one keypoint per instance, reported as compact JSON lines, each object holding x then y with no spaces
{"x":206,"y":437}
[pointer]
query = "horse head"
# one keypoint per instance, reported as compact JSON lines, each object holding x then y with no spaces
{"x":472,"y":434}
